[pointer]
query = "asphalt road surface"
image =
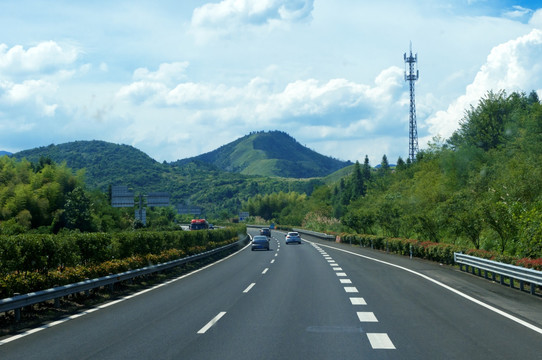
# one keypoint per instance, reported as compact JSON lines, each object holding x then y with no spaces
{"x":317,"y":300}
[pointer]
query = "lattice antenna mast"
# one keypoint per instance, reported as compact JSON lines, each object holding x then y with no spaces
{"x":411,"y":76}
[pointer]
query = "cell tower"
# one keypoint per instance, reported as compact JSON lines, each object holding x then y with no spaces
{"x":411,"y":77}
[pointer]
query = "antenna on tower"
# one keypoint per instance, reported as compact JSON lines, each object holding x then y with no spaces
{"x":411,"y":76}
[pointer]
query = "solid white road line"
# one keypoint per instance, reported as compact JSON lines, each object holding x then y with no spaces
{"x":105,"y":305}
{"x":204,"y":329}
{"x":455,"y":291}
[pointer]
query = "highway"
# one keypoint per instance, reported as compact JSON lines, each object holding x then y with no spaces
{"x":317,"y":300}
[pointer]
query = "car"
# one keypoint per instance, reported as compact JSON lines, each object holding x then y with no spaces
{"x":265,"y":232}
{"x":260,"y":242}
{"x":292,"y":237}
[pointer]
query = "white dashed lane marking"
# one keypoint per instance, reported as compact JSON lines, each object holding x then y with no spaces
{"x":249,"y":287}
{"x":366,"y":316}
{"x":380,"y":341}
{"x":357,"y":301}
{"x":204,"y":329}
{"x":377,"y":340}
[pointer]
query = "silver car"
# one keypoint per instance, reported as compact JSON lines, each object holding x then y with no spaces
{"x":293,"y":237}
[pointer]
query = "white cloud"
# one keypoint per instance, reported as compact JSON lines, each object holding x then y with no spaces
{"x":45,"y":56}
{"x":33,"y":92}
{"x":327,"y":112}
{"x":511,"y":66}
{"x":230,"y":15}
{"x":258,"y":101}
{"x":536,"y":19}
{"x":518,"y":12}
{"x":166,"y":73}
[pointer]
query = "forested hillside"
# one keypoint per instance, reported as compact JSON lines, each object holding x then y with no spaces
{"x":273,"y":153}
{"x":104,"y":163}
{"x":99,"y":164}
{"x":482,"y":187}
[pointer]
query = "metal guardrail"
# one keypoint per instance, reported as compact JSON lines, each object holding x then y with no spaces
{"x":20,"y":301}
{"x":316,"y":234}
{"x":512,"y":272}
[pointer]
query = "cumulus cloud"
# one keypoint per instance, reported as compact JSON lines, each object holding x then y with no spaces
{"x":511,"y":66}
{"x":229,"y":15}
{"x":31,"y":77}
{"x":166,"y":73}
{"x":337,"y":108}
{"x":46,"y":56}
{"x":28,"y":95}
{"x":536,"y":19}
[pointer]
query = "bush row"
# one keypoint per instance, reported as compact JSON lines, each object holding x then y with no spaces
{"x":440,"y":252}
{"x":43,"y":252}
{"x":34,"y":281}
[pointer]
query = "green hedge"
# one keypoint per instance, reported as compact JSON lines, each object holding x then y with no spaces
{"x":440,"y":252}
{"x":43,"y":253}
{"x":36,"y":262}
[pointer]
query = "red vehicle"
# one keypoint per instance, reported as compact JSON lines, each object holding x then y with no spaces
{"x":199,"y":224}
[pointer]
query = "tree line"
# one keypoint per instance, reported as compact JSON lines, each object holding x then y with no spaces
{"x":481,"y":188}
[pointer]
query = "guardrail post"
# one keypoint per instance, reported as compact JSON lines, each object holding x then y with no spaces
{"x":87,"y":291}
{"x":57,"y":303}
{"x":533,"y":288}
{"x":18,"y":310}
{"x":410,"y":251}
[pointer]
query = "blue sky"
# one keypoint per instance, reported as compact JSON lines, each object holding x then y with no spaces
{"x":180,"y":78}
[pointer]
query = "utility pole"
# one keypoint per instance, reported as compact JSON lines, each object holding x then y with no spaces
{"x":411,"y":77}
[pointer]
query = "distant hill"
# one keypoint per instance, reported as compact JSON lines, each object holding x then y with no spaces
{"x":2,"y":153}
{"x":273,"y":153}
{"x":105,"y":163}
{"x":195,"y":183}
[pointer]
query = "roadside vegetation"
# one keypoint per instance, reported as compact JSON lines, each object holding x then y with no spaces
{"x":480,"y":189}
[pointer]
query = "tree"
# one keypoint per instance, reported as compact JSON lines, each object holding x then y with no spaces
{"x":358,"y":186}
{"x":366,"y":170}
{"x":401,"y":164}
{"x":485,"y":126}
{"x":384,"y":165}
{"x":77,"y":213}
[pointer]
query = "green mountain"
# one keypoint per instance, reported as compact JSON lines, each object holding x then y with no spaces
{"x":104,"y":163}
{"x":195,"y":182}
{"x":273,"y":153}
